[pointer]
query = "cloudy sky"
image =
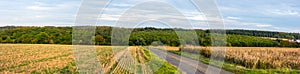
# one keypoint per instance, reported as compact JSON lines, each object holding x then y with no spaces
{"x":271,"y":15}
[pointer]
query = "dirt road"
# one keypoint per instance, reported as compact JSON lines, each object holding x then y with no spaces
{"x":187,"y":65}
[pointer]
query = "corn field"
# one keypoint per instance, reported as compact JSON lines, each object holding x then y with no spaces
{"x":256,"y":57}
{"x":138,"y":60}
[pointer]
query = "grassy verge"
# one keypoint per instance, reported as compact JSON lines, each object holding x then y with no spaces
{"x":161,"y":66}
{"x":235,"y":68}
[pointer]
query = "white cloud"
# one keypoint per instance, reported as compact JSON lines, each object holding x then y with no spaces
{"x":262,"y":25}
{"x":108,"y":17}
{"x":284,"y":12}
{"x":122,"y":5}
{"x":233,"y":18}
{"x":49,"y":7}
{"x":197,"y":18}
{"x":234,"y":23}
{"x":40,"y":13}
{"x":37,"y":8}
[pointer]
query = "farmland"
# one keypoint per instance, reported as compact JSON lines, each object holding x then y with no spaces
{"x":42,"y":58}
{"x":250,"y":59}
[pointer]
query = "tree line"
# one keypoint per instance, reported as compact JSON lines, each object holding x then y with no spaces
{"x":145,"y":36}
{"x":264,"y":34}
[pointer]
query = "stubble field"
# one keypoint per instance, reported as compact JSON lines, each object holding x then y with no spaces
{"x":41,"y":58}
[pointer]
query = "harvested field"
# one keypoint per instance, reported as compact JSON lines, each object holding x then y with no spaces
{"x":44,"y":58}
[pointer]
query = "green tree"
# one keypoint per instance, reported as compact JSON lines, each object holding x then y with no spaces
{"x":8,"y":40}
{"x":43,"y":38}
{"x":34,"y":41}
{"x":99,"y":40}
{"x":1,"y":40}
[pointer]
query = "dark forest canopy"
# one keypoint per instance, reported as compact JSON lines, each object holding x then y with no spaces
{"x":145,"y":36}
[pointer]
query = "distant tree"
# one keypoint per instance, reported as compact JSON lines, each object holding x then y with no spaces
{"x":8,"y":40}
{"x":1,"y":39}
{"x":51,"y":41}
{"x":297,"y":36}
{"x":155,"y":43}
{"x":183,"y":42}
{"x":43,"y":38}
{"x":292,"y":37}
{"x":99,"y":40}
{"x":228,"y":44}
{"x":34,"y":41}
{"x":141,"y":41}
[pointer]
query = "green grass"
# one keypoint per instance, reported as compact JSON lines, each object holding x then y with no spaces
{"x":159,"y":65}
{"x":147,"y":55}
{"x":235,"y":68}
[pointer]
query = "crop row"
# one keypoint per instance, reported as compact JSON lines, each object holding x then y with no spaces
{"x":126,"y":64}
{"x":38,"y":58}
{"x":256,"y":58}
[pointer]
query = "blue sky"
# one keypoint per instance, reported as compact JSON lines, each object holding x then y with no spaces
{"x":271,"y":15}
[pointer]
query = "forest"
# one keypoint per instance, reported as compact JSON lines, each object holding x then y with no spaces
{"x":145,"y":36}
{"x":264,"y":34}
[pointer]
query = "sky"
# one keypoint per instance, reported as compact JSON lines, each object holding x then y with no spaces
{"x":270,"y":15}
